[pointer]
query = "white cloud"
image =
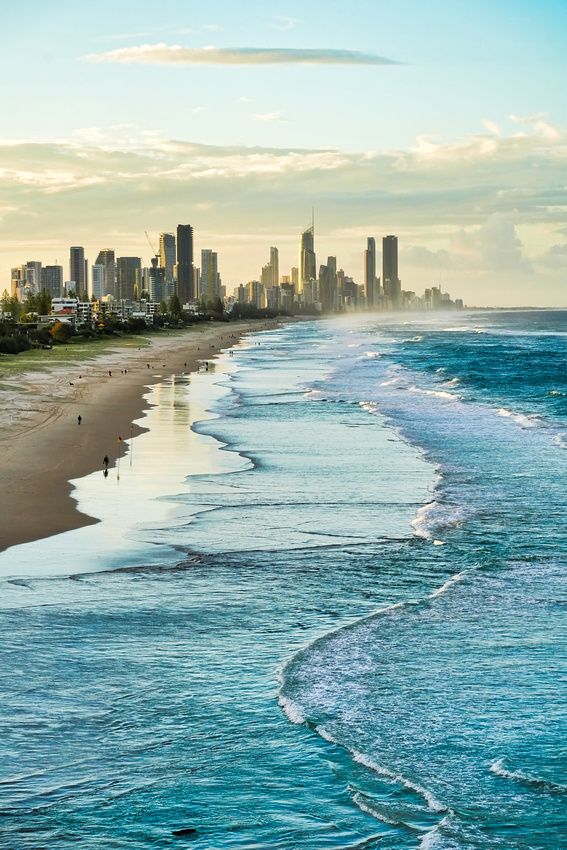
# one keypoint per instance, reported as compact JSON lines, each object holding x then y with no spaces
{"x":465,"y":208}
{"x":284,"y":23}
{"x":163,"y":54}
{"x":270,"y":116}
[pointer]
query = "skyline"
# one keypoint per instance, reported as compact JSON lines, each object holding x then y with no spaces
{"x":427,"y":123}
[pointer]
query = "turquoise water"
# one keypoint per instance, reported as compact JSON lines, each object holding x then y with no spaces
{"x":351,"y":634}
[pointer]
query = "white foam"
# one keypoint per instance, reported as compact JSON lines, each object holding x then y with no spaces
{"x":368,"y":809}
{"x":326,"y":735}
{"x":437,"y":393}
{"x":433,"y":803}
{"x":437,"y":515}
{"x":292,"y":710}
{"x":498,"y":769}
{"x":525,"y":421}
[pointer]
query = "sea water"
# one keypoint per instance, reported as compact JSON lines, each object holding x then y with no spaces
{"x":329,"y":614}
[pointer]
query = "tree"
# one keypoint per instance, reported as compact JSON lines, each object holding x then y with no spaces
{"x":175,"y":307}
{"x":44,"y":302}
{"x":10,"y":304}
{"x":61,"y":331}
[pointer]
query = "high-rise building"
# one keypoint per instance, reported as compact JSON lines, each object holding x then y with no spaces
{"x":33,"y":274}
{"x":390,"y":280}
{"x":97,"y":282}
{"x":209,"y":284}
{"x":128,"y":277}
{"x":275,"y":266}
{"x":77,"y":271}
{"x":186,"y":290}
{"x":107,"y":259}
{"x":307,"y":259}
{"x":371,"y":284}
{"x":256,"y":293}
{"x":167,"y":260}
{"x":270,"y":276}
{"x":332,"y":282}
{"x":52,"y":280}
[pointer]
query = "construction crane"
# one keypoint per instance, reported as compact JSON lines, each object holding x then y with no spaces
{"x":151,"y":244}
{"x":155,"y":276}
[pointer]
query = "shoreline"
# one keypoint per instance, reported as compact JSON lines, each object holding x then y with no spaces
{"x":45,"y":447}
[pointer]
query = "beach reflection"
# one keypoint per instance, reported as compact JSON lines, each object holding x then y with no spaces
{"x":137,"y":497}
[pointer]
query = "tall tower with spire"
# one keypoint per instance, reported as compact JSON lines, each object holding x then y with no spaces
{"x":307,"y":258}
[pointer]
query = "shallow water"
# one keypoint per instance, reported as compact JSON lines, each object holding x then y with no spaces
{"x":346,"y":468}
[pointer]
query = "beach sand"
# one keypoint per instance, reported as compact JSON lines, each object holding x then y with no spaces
{"x":44,"y":447}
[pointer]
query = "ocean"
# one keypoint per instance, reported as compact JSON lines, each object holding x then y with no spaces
{"x":325,"y":606}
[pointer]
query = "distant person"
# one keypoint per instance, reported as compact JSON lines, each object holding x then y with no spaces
{"x":106,"y":461}
{"x":109,"y":374}
{"x":79,"y":419}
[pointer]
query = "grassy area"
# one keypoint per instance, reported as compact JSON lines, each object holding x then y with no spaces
{"x":81,"y":351}
{"x":37,"y":360}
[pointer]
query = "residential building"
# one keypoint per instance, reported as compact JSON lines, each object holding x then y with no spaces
{"x":128,"y":277}
{"x":209,"y":284}
{"x":167,"y":261}
{"x":107,"y":259}
{"x":97,"y":282}
{"x":77,"y":271}
{"x":390,"y":279}
{"x":307,"y":258}
{"x":52,"y":280}
{"x":186,"y":290}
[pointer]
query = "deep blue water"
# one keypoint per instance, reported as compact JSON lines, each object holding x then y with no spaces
{"x":352,"y":637}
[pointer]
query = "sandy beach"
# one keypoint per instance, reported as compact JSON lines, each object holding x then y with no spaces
{"x":44,"y":447}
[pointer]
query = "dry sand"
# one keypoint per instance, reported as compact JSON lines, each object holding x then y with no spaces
{"x":43,"y":447}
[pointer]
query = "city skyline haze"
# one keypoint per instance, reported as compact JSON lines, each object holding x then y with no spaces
{"x":443,"y":124}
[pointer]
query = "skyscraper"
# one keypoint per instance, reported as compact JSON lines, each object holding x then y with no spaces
{"x":307,"y":259}
{"x":209,"y":286}
{"x":275,"y":264}
{"x":107,"y":259}
{"x":97,"y":281}
{"x":52,"y":280}
{"x":167,"y":259}
{"x":390,"y":280}
{"x":185,"y":271}
{"x":128,"y":277}
{"x":370,"y":273}
{"x":77,"y":271}
{"x":271,"y":271}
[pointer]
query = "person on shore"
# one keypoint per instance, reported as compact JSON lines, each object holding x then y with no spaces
{"x":109,"y":374}
{"x":79,"y":419}
{"x":106,"y":461}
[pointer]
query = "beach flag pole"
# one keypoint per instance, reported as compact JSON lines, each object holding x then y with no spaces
{"x":131,"y":443}
{"x":118,"y":464}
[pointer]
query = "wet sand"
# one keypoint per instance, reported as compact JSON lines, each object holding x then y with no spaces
{"x":44,"y":447}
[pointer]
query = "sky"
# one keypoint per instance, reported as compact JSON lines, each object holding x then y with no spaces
{"x":442,"y":123}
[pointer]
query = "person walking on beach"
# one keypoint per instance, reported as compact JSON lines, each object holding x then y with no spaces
{"x":79,"y":419}
{"x":106,"y":461}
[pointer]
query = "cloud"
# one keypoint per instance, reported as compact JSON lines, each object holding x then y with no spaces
{"x":163,"y":54}
{"x":469,"y":209}
{"x":284,"y":23}
{"x":270,"y":116}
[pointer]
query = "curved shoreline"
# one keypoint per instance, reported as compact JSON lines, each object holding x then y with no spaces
{"x":44,"y":448}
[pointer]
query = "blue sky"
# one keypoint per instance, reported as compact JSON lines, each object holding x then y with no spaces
{"x":442,"y":122}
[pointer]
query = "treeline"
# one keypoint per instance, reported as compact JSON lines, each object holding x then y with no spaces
{"x":22,"y":333}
